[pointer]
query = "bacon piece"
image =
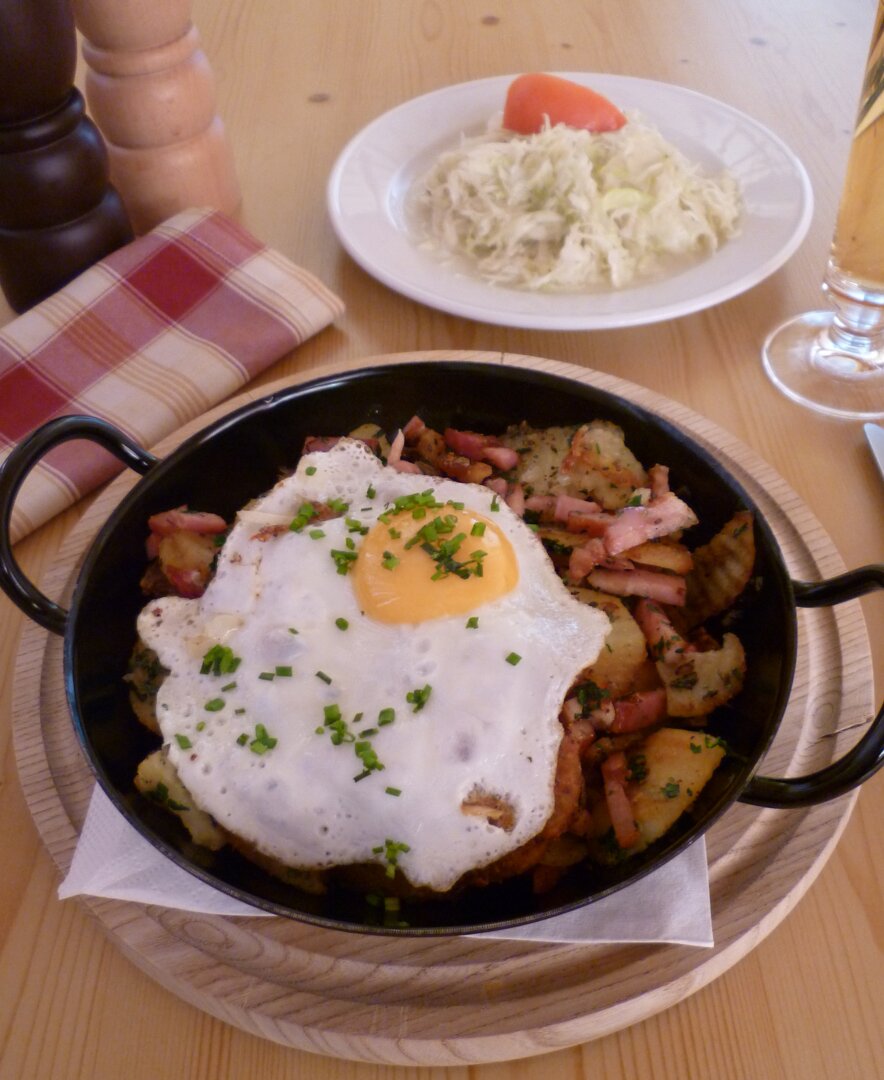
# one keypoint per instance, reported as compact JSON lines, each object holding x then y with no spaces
{"x":396,"y":448}
{"x":639,"y":710}
{"x":197,"y":521}
{"x":585,"y":558}
{"x":319,"y":443}
{"x":666,"y":588}
{"x":635,"y":524}
{"x":515,"y":499}
{"x":395,"y":459}
{"x":664,"y":640}
{"x":545,"y":505}
{"x":478,"y":447}
{"x":565,"y":505}
{"x":414,"y":429}
{"x":594,"y":524}
{"x":187,"y":583}
{"x":614,"y":770}
{"x":466,"y":443}
{"x":659,"y":478}
{"x":501,"y":457}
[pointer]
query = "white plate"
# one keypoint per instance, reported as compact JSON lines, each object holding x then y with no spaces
{"x":368,"y":185}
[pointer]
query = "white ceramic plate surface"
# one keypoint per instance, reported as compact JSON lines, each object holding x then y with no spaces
{"x":371,"y":178}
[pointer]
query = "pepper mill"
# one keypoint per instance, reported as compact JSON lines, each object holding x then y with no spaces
{"x":58,"y":212}
{"x":150,"y":88}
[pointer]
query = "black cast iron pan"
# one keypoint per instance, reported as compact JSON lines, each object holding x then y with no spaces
{"x":238,"y":457}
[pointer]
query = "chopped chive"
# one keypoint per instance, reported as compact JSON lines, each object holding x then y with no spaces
{"x":386,"y":716}
{"x":219,"y":660}
{"x":268,"y":676}
{"x":389,"y":561}
{"x":310,"y":470}
{"x":393,"y":791}
{"x":478,"y":529}
{"x":325,"y":678}
{"x":215,"y":705}
{"x":238,"y":712}
{"x":201,"y":725}
{"x":303,"y":516}
{"x":242,"y":740}
{"x":284,"y":670}
{"x":183,"y":742}
{"x":343,"y":560}
{"x":369,"y":733}
{"x":292,"y":630}
{"x":370,"y":493}
{"x":228,"y":686}
{"x":513,"y":658}
{"x":316,"y":534}
{"x":473,"y":622}
{"x":341,"y":624}
{"x":419,"y":697}
{"x":332,"y":713}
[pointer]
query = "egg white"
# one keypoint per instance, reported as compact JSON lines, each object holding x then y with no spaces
{"x":488,"y":725}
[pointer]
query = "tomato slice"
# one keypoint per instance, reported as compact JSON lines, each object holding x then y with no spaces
{"x":533,"y":96}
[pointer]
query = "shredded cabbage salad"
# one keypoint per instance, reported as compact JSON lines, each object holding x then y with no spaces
{"x":566,"y":209}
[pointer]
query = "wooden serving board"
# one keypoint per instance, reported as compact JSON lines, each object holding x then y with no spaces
{"x":459,"y":1000}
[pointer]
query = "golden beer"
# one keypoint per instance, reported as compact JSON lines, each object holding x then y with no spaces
{"x":858,"y":246}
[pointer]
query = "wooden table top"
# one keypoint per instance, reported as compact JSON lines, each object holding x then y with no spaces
{"x":295,"y":81}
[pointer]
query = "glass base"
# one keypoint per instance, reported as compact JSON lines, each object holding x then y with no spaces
{"x":806,"y":364}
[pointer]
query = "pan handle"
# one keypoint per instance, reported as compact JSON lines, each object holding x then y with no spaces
{"x":23,"y":593}
{"x":861,"y":761}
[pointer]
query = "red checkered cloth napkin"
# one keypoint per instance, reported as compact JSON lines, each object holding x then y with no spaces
{"x":148,"y":338}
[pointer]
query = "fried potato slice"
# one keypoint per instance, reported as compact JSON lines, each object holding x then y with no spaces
{"x":622,"y":664}
{"x":541,"y":453}
{"x":158,"y":780}
{"x":677,"y":765}
{"x":701,"y":681}
{"x":722,"y":569}
{"x":601,"y":466}
{"x":590,"y":462}
{"x":670,"y":768}
{"x":662,"y":554}
{"x":144,"y":677}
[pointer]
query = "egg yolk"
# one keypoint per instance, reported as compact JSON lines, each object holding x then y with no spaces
{"x":447,"y":563}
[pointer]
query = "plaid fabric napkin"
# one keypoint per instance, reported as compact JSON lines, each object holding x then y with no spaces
{"x":148,"y":338}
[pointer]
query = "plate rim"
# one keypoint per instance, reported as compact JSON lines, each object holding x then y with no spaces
{"x":556,"y":321}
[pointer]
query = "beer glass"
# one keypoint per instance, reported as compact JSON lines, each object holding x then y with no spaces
{"x":833,"y":361}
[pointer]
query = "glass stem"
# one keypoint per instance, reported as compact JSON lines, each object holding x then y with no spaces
{"x":858,"y":326}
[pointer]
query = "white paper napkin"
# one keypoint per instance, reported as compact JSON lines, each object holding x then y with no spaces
{"x":670,"y":905}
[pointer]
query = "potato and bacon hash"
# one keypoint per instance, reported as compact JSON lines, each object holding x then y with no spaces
{"x":635,"y":754}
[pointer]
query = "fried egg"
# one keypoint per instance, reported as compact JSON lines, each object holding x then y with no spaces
{"x":377,"y":653}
